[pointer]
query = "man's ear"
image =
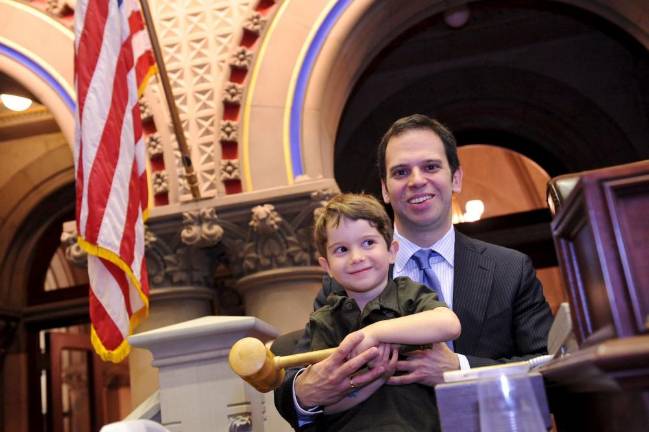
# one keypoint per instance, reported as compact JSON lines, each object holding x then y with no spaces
{"x":324,"y":264}
{"x":457,"y":180}
{"x":384,"y":192}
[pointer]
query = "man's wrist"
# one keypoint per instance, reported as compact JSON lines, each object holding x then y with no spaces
{"x":301,"y":409}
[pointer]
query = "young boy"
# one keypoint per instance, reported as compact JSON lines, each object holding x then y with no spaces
{"x":353,"y":234}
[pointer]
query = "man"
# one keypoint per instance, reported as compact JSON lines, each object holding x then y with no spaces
{"x":493,"y":290}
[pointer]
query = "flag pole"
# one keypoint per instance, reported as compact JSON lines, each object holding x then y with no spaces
{"x":192,"y":180}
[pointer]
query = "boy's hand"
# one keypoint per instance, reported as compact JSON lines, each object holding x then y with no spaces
{"x":368,"y":342}
{"x":387,"y":359}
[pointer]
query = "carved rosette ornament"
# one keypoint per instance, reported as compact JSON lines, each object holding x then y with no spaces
{"x":242,"y":58}
{"x":154,"y":145}
{"x":229,"y":131}
{"x":145,"y":110}
{"x":160,"y":182}
{"x":232,"y":93}
{"x":230,"y":169}
{"x":73,"y":251}
{"x":255,"y":23}
{"x":60,"y":8}
{"x":200,"y":228}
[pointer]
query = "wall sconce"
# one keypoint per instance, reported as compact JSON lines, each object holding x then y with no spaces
{"x":473,"y":211}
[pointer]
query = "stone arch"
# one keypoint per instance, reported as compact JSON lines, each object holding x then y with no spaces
{"x":349,"y":41}
{"x":40,"y":194}
{"x":37,"y":51}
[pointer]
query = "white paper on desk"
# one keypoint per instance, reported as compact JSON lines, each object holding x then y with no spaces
{"x":487,"y":371}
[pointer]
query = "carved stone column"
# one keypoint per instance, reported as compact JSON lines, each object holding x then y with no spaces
{"x":283,"y":297}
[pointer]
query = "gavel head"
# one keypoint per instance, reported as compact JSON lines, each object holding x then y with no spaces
{"x":251,"y":360}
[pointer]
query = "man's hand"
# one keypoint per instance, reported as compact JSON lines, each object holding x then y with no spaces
{"x":427,"y":366}
{"x":328,"y":381}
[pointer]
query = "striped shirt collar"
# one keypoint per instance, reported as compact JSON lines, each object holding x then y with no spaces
{"x":444,"y":246}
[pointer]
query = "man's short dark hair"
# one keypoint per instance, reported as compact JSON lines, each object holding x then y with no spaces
{"x":413,"y":122}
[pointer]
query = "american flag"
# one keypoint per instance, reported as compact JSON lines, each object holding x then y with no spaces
{"x":113,"y":60}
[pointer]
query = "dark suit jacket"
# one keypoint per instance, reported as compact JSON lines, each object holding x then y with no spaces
{"x":498,"y":300}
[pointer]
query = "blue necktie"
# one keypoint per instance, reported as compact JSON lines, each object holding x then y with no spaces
{"x":423,"y":258}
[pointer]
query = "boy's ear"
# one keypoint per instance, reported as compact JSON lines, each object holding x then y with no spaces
{"x":393,"y":249}
{"x":324,"y":264}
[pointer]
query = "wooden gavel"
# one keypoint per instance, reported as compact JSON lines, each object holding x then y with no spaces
{"x":251,"y":360}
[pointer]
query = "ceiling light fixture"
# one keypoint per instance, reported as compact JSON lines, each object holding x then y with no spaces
{"x":15,"y":103}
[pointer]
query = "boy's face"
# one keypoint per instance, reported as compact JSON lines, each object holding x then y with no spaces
{"x":357,"y":257}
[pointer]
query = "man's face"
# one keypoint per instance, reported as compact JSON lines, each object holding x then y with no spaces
{"x":419,"y":185}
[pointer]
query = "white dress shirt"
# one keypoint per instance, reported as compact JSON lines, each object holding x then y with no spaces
{"x":404,"y":266}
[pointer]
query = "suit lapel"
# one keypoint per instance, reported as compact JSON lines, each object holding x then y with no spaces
{"x":472,"y":278}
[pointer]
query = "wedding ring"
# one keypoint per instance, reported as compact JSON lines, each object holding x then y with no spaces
{"x":351,"y":383}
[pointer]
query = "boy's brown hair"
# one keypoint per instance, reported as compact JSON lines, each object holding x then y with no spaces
{"x":351,"y":206}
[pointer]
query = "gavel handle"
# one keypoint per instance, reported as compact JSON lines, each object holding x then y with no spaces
{"x":302,"y":359}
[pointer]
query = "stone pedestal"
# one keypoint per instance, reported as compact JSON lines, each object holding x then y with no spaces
{"x":167,"y":306}
{"x":283,"y":297}
{"x":198,"y":390}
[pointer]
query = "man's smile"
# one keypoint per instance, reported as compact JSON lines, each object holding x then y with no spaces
{"x":418,"y":199}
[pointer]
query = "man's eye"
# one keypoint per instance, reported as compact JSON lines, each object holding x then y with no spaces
{"x":401,"y":172}
{"x":431,"y":167}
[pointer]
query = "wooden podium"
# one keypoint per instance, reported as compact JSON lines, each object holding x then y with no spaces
{"x":601,"y":234}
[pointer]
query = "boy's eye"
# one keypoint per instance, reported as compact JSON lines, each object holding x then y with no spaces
{"x":340,"y":250}
{"x":368,"y":243}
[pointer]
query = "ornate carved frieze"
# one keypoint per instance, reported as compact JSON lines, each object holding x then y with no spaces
{"x":261,"y":231}
{"x":196,"y":40}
